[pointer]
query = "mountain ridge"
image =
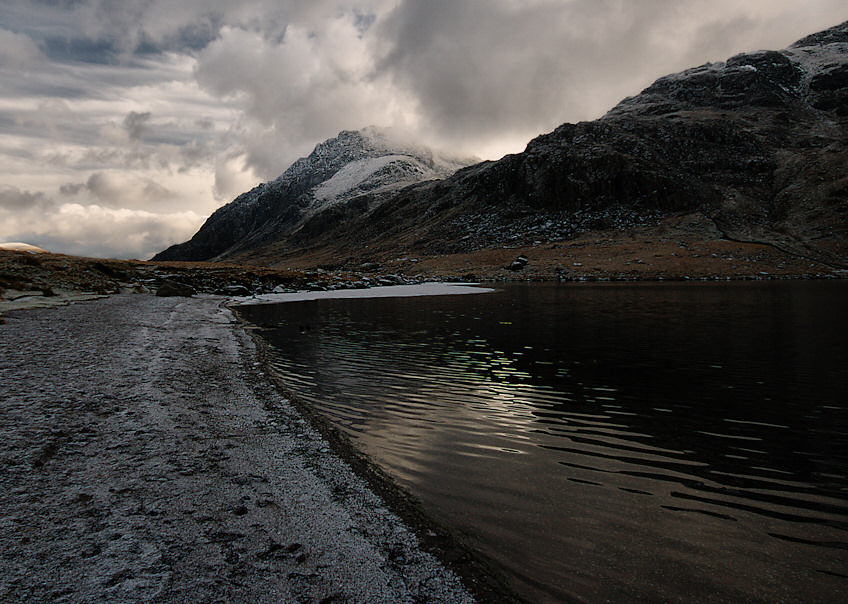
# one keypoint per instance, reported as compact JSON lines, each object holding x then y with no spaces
{"x":372,"y":161}
{"x":757,"y":144}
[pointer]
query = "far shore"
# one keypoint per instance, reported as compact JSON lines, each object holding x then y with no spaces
{"x":680,"y":248}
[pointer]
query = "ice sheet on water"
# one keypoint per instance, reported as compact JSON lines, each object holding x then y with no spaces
{"x":392,"y":291}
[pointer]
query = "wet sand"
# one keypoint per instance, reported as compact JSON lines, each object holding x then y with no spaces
{"x":147,"y":458}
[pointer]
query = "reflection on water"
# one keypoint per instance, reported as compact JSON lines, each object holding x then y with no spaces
{"x":665,"y":442}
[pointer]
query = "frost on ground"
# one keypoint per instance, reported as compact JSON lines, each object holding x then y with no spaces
{"x":145,"y":458}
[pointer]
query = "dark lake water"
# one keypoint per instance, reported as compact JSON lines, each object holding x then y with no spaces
{"x":610,"y":442}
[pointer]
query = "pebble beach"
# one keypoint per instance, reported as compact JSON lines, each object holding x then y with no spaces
{"x":146,"y":457}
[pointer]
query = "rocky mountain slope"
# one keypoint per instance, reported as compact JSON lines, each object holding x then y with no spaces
{"x":367,"y":166}
{"x":756,"y":145}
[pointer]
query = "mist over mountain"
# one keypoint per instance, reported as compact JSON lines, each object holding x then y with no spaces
{"x":757,"y":144}
{"x":353,"y":172}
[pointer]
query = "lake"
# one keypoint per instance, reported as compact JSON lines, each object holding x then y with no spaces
{"x":664,"y":442}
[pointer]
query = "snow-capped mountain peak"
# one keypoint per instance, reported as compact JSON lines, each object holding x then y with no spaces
{"x":373,"y":162}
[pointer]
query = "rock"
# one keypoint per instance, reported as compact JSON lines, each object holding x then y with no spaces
{"x":392,"y":280}
{"x":233,"y":290}
{"x":109,"y":271}
{"x":370,"y":267}
{"x":173,"y":288}
{"x":518,"y":264}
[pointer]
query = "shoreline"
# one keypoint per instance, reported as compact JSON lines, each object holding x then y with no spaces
{"x":368,"y":361}
{"x":481,"y":575}
{"x":148,"y":456}
{"x":680,"y":247}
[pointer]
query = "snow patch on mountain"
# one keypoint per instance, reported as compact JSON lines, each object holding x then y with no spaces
{"x":814,"y":60}
{"x":811,"y":71}
{"x":358,"y":175}
{"x":373,"y":161}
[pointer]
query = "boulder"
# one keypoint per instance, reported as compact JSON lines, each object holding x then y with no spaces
{"x":391,"y":280}
{"x":234,"y":290}
{"x":173,"y":288}
{"x":518,"y":264}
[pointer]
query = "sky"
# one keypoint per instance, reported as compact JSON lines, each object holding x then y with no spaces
{"x":125,"y":124}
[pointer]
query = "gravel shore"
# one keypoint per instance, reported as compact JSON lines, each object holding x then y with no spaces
{"x":145,"y":458}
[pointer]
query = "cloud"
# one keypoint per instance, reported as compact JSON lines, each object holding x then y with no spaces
{"x":479,"y":76}
{"x":97,"y":231}
{"x":112,"y":31}
{"x":18,"y":51}
{"x":301,"y":89}
{"x":12,"y":198}
{"x":137,"y":124}
{"x":483,"y":69}
{"x":232,"y":178}
{"x":93,"y":229}
{"x":121,"y":190}
{"x":136,"y":113}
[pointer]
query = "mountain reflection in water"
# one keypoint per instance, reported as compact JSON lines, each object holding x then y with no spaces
{"x":651,"y":442}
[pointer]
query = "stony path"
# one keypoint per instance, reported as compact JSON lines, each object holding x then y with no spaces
{"x":144,"y":458}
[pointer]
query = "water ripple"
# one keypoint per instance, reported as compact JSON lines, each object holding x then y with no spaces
{"x":559,"y":429}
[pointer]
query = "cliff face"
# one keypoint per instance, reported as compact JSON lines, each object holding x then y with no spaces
{"x":759,"y":144}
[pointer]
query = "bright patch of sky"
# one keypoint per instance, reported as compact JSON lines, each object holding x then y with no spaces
{"x":123,"y":125}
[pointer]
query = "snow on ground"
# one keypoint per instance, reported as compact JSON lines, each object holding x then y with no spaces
{"x":390,"y":291}
{"x":814,"y":60}
{"x":17,"y":246}
{"x":22,"y":300}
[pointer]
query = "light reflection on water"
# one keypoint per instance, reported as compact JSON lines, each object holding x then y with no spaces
{"x":619,"y":442}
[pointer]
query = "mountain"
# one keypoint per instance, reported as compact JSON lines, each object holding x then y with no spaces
{"x":756,"y":145}
{"x":351,"y":173}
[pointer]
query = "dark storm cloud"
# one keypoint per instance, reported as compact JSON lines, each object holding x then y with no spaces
{"x":194,"y":36}
{"x":468,"y":63}
{"x":111,"y":31}
{"x":12,"y":198}
{"x":484,"y":65}
{"x":64,"y":4}
{"x":137,"y":124}
{"x":82,"y":50}
{"x":71,"y":189}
